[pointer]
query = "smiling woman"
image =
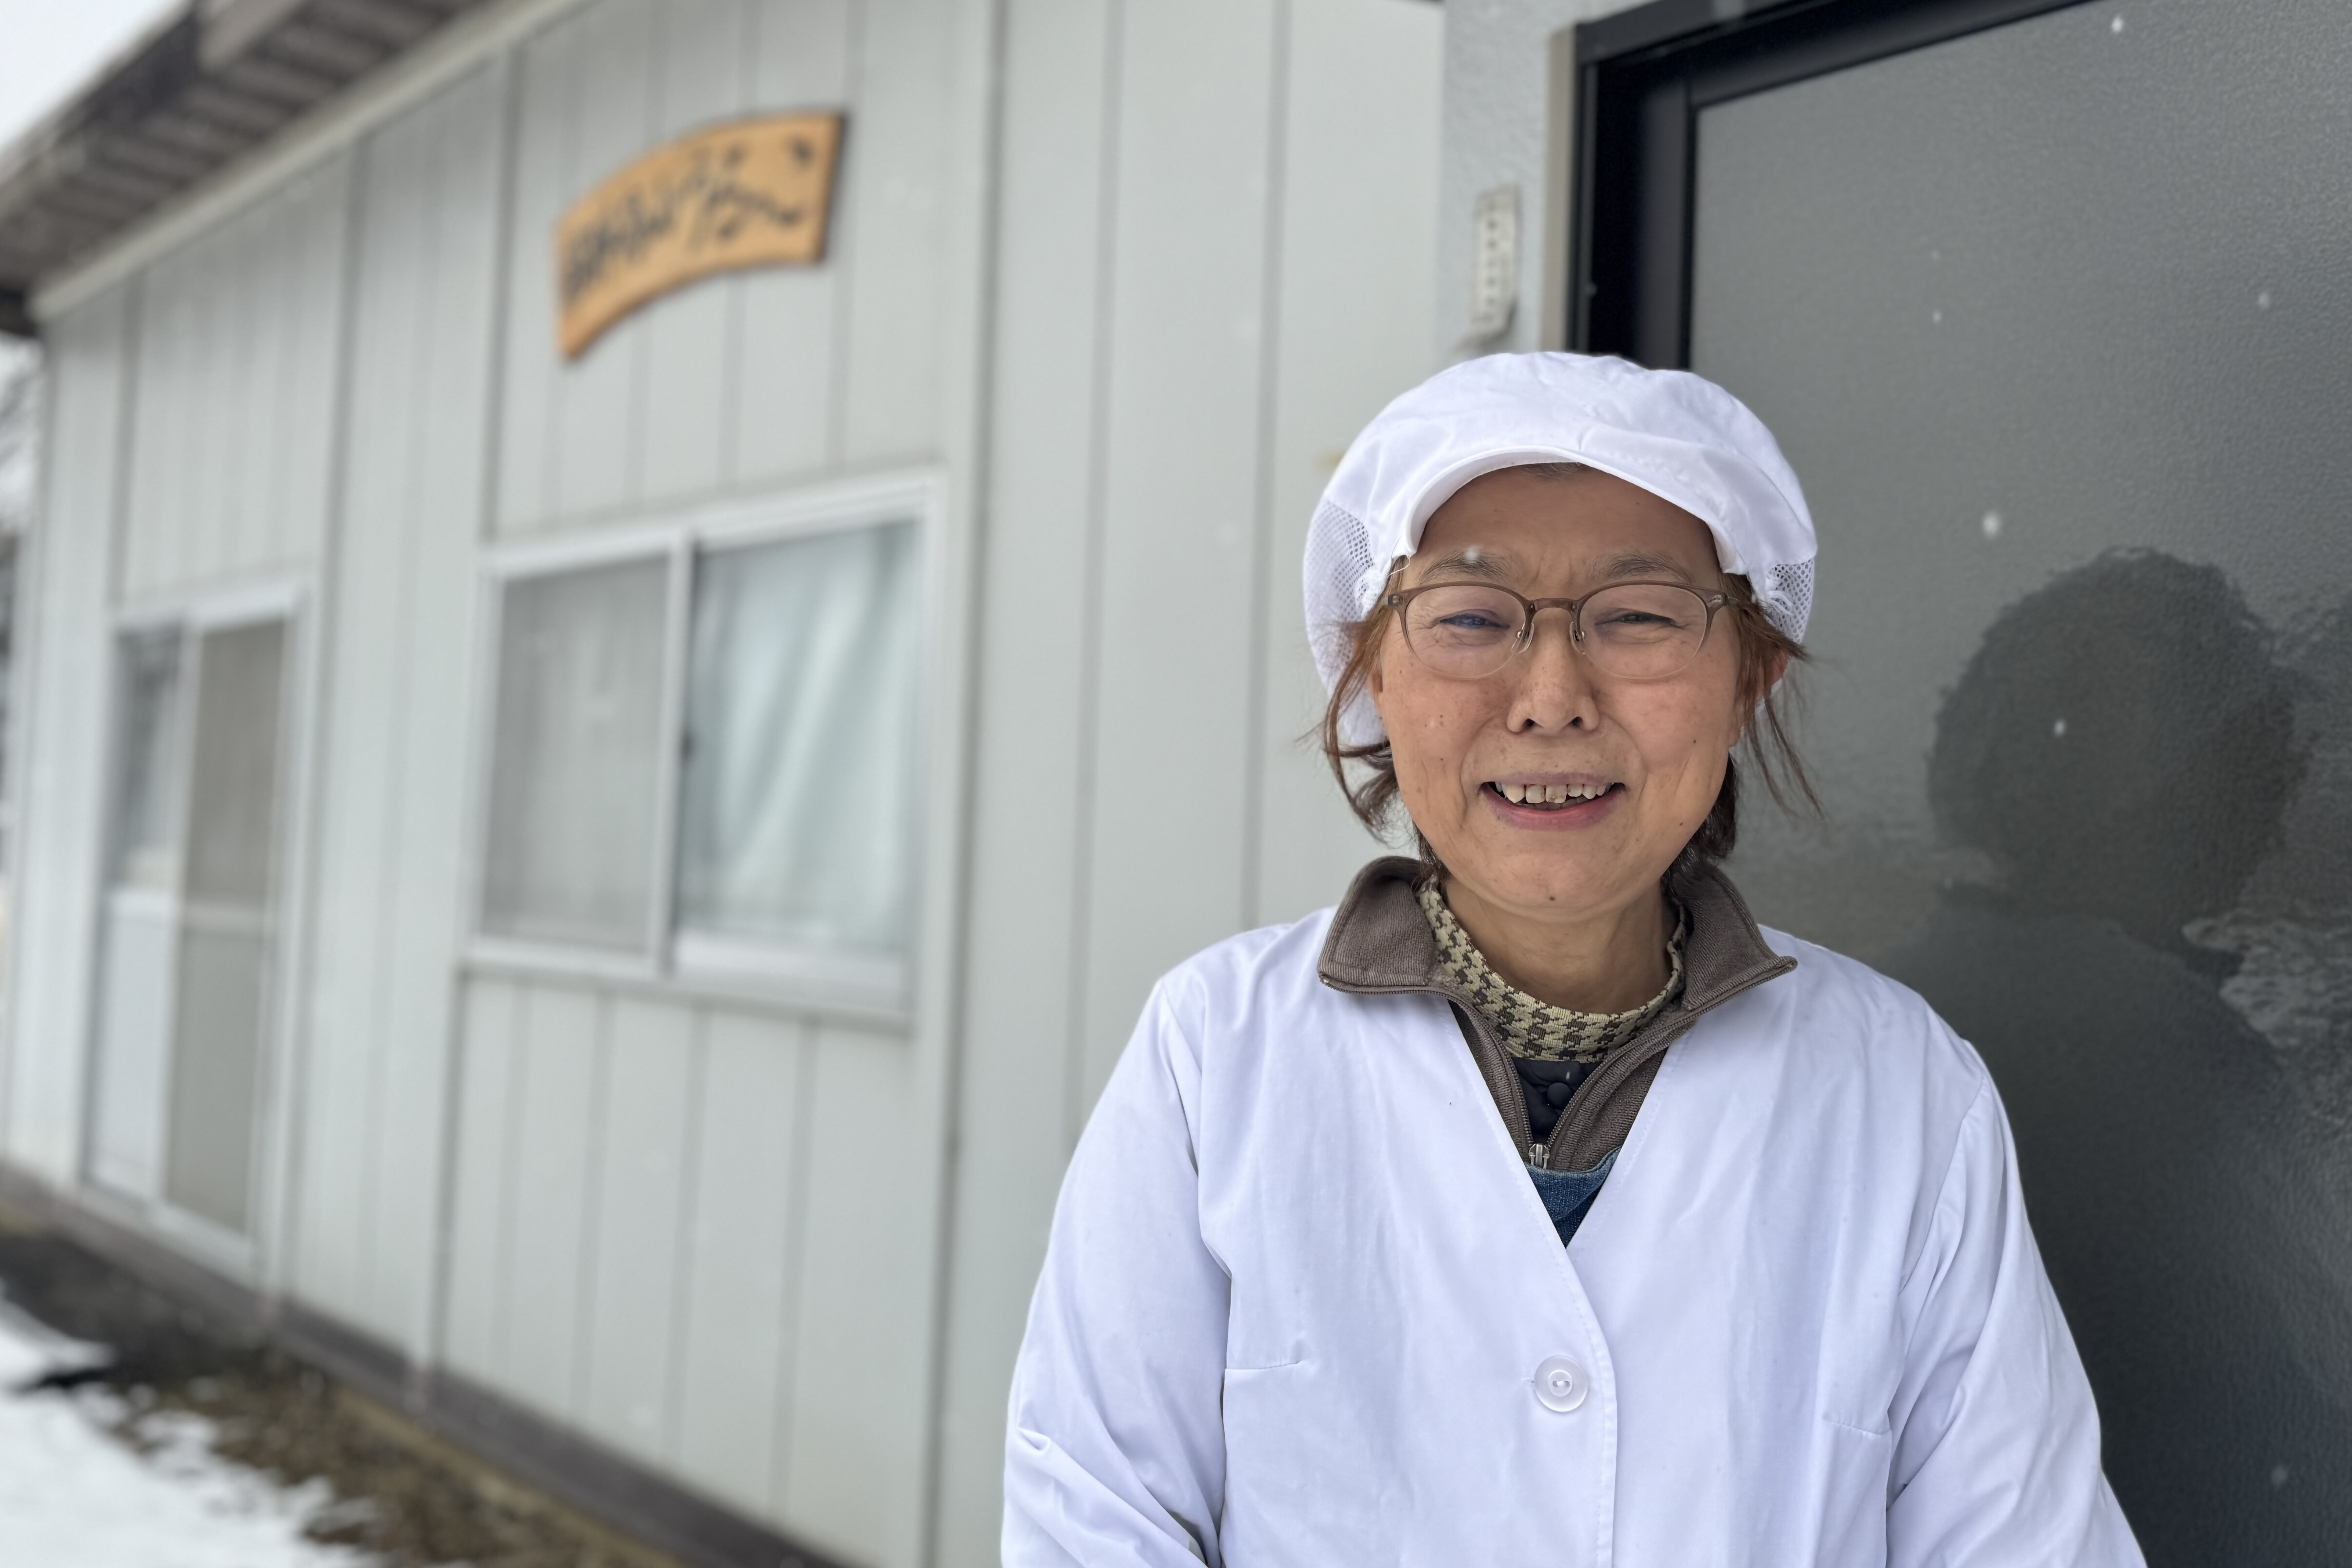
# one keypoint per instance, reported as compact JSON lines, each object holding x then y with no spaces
{"x":1535,"y":1204}
{"x":1460,"y":631}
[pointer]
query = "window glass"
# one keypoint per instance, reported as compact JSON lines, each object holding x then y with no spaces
{"x":233,"y":765}
{"x":220,"y":993}
{"x":146,"y":832}
{"x":796,"y":810}
{"x":131,"y":1035}
{"x":575,"y":761}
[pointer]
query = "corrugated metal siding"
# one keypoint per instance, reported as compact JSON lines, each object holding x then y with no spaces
{"x":232,"y":439}
{"x":741,"y":380}
{"x":64,"y":686}
{"x":394,"y":773}
{"x":696,"y":1231}
{"x":683,"y":1228}
{"x":641,"y":1218}
{"x":1216,"y":266}
{"x":1353,"y":327}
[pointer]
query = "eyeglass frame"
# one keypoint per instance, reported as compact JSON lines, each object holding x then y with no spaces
{"x":1526,"y":636}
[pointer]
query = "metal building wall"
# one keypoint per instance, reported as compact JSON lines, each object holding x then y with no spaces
{"x":1215,"y":264}
{"x":699,"y":1234}
{"x":1194,"y":251}
{"x":232,"y":430}
{"x":65,"y":582}
{"x":691,"y":1230}
{"x":1510,"y":110}
{"x":372,"y":1043}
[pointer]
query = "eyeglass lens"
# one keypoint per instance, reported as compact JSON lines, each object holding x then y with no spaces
{"x":1635,"y":630}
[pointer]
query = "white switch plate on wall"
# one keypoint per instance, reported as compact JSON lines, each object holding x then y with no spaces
{"x":1493,"y":263}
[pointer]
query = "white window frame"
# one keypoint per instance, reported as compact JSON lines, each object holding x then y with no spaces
{"x":669,"y":959}
{"x":190,"y":614}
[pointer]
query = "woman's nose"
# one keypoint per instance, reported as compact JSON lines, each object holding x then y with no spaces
{"x":1555,"y":688}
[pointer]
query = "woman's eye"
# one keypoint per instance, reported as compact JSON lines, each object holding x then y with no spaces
{"x":1471,"y":620}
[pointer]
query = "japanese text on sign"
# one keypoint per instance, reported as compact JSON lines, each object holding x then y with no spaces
{"x":752,"y":193}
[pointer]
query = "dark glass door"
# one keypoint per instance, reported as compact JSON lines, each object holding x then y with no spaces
{"x":2054,"y":320}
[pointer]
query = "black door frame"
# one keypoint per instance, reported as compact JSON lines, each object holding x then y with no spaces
{"x":1641,"y":78}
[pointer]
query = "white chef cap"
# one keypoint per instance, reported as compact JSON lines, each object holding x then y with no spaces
{"x":1676,"y":435}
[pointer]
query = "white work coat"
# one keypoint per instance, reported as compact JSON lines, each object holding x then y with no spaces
{"x":1302,"y":1304}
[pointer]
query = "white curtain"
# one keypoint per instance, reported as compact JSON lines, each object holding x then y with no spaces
{"x":575,"y":764}
{"x":796,"y":820}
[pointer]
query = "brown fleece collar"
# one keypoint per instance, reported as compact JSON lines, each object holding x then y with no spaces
{"x":1380,"y":942}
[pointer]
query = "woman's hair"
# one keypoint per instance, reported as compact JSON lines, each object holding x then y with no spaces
{"x":1765,"y":737}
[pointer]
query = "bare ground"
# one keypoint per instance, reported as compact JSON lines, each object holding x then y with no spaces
{"x":401,"y":1492}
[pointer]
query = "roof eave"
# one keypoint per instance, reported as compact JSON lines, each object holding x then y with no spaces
{"x":203,"y":89}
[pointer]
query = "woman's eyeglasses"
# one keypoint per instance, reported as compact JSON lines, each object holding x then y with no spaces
{"x":1631,"y":631}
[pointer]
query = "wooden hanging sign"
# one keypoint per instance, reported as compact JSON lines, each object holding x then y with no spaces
{"x":750,"y":193}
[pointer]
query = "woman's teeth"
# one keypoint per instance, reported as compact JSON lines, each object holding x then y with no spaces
{"x":1549,"y":794}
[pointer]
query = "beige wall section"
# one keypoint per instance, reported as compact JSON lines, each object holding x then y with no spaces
{"x":1215,"y":262}
{"x":683,"y":1229}
{"x":231,"y":437}
{"x":61,"y":741}
{"x":393,"y":772}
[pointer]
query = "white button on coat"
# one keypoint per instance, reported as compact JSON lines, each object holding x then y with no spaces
{"x":1560,"y":1383}
{"x":1298,"y":1280}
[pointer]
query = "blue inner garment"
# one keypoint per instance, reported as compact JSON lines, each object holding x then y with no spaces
{"x":1568,"y":1195}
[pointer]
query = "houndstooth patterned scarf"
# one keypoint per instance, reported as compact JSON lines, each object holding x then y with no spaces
{"x":1529,"y":1026}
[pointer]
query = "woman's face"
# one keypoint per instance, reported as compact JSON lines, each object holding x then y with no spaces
{"x":1650,"y":754}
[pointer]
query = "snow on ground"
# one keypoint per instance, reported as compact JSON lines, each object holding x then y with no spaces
{"x":72,"y":1495}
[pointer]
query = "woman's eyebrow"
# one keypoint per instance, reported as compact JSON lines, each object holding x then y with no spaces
{"x":1619,"y":567}
{"x":1472,"y":562}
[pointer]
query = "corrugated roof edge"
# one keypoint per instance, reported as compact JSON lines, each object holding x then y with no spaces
{"x":200,"y":90}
